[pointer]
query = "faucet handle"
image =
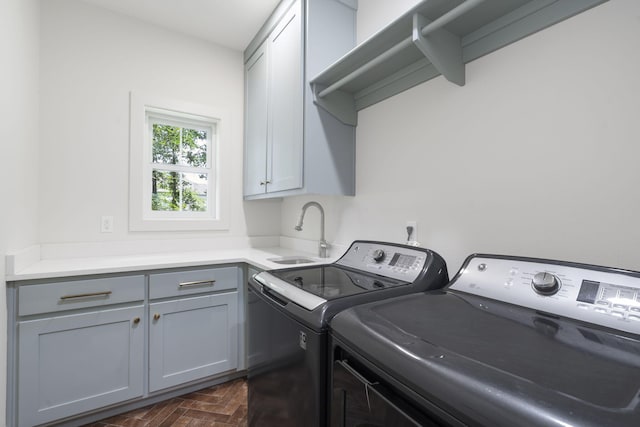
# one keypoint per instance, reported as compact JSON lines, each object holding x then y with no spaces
{"x":323,"y":247}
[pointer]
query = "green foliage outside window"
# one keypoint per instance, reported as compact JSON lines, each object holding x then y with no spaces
{"x":177,"y":190}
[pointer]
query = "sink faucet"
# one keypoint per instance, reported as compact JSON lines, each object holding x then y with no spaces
{"x":323,"y":245}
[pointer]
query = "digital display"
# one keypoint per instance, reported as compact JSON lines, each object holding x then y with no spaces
{"x":604,"y":293}
{"x":400,"y":260}
{"x":588,"y":291}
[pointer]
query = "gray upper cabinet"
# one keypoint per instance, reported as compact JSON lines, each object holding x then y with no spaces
{"x":255,"y":154}
{"x":284,"y":138}
{"x":436,"y":37}
{"x":292,"y":146}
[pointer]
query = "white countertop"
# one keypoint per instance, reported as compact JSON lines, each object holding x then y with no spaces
{"x":66,"y":267}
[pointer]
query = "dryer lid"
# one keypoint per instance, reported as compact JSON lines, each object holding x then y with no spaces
{"x":508,"y":364}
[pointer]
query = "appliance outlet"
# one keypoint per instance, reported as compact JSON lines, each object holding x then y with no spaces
{"x":412,"y":233}
{"x":106,"y":224}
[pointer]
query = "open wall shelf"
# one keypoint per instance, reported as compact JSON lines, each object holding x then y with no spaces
{"x":436,"y":37}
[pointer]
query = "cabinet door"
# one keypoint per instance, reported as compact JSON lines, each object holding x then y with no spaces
{"x":76,"y":363}
{"x":192,"y":338}
{"x":284,"y":168}
{"x":255,"y":148}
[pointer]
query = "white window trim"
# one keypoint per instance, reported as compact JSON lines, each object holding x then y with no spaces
{"x":141,"y":218}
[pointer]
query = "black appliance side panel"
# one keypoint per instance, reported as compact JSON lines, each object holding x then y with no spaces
{"x":287,"y":368}
{"x":359,"y":401}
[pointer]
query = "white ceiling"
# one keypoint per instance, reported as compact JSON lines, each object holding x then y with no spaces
{"x":231,"y":23}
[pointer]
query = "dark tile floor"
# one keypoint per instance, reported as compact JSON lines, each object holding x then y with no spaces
{"x":224,"y":405}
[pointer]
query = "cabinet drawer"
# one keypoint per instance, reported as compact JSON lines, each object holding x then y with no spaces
{"x":179,"y":283}
{"x":60,"y":296}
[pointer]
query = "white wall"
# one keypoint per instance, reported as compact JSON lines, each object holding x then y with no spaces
{"x":374,"y":15}
{"x":91,"y":59}
{"x":19,"y":123}
{"x":537,"y":155}
{"x":19,"y":142}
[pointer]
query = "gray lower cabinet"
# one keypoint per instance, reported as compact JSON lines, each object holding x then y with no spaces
{"x":193,"y":325}
{"x":83,"y":344}
{"x":74,"y":362}
{"x":192,"y":338}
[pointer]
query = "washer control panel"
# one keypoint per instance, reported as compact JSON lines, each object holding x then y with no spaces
{"x":603,"y":296}
{"x":398,"y":262}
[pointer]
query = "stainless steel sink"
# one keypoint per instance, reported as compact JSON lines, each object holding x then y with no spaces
{"x":291,"y":260}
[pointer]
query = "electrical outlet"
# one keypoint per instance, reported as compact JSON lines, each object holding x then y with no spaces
{"x":412,"y":238}
{"x":106,"y":224}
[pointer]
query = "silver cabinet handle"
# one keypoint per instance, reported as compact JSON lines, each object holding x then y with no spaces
{"x":93,"y":294}
{"x":197,"y":283}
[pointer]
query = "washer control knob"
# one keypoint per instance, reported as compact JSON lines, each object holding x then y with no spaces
{"x":378,"y":255}
{"x":545,"y":283}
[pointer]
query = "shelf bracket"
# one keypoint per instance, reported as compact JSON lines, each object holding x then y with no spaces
{"x":442,"y":48}
{"x":338,"y":103}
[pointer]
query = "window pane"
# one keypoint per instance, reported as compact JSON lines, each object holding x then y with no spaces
{"x":175,"y":191}
{"x":194,"y":192}
{"x":166,"y":144}
{"x":194,"y":147}
{"x":165,"y":191}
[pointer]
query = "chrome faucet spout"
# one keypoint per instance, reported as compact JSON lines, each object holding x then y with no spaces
{"x":323,"y":245}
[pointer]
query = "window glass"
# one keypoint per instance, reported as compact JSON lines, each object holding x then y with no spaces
{"x":176,"y":145}
{"x":180,"y":169}
{"x":194,"y":147}
{"x":177,"y":191}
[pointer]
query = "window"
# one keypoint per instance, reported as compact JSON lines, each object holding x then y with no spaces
{"x":180,"y":164}
{"x":175,"y":166}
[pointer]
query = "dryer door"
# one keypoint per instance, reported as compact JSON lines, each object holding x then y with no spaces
{"x":358,"y":401}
